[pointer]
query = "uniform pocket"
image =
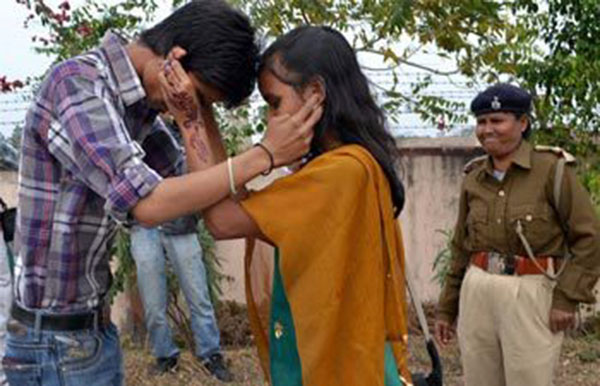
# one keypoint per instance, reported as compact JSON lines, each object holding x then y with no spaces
{"x":539,"y":225}
{"x":477,"y":223}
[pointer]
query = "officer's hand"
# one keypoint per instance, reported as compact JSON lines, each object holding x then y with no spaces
{"x":444,"y":332}
{"x":288,"y":137}
{"x":561,"y":320}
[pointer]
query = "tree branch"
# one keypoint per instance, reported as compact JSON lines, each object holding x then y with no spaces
{"x":416,"y":65}
{"x":368,"y":44}
{"x":377,"y":69}
{"x":304,"y":16}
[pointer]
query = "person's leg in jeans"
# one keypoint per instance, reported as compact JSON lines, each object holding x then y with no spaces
{"x":5,"y":298}
{"x":147,"y":251}
{"x":63,"y":358}
{"x":185,"y":254}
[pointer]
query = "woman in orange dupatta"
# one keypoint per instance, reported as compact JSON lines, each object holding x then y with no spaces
{"x":335,"y":310}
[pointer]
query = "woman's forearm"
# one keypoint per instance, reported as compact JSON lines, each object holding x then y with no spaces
{"x":196,"y":191}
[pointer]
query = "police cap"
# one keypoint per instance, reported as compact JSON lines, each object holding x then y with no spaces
{"x":502,"y":97}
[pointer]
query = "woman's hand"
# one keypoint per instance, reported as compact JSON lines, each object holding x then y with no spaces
{"x":288,"y":137}
{"x":444,"y":332}
{"x":561,"y":320}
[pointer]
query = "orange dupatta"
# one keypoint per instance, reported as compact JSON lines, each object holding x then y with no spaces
{"x":342,"y":265}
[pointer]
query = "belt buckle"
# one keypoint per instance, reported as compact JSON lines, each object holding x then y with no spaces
{"x":501,"y":264}
{"x":495,"y":263}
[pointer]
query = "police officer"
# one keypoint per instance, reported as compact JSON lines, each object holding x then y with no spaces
{"x":525,"y":252}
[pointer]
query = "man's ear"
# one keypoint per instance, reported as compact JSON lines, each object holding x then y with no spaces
{"x":315,"y":86}
{"x":176,"y":53}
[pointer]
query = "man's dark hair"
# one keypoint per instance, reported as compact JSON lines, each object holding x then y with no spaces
{"x":220,"y":46}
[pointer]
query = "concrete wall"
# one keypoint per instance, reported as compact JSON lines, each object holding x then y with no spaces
{"x":432,"y":175}
{"x":8,"y":187}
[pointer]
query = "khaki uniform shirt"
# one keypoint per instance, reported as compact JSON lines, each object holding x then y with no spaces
{"x":488,"y":214}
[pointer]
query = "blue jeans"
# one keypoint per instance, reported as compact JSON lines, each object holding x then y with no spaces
{"x":52,"y":358}
{"x":185,"y":255}
{"x":5,"y":298}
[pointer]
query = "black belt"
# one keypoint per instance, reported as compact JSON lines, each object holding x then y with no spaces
{"x":68,"y":322}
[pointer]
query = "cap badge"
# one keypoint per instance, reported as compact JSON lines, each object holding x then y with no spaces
{"x":496,"y":105}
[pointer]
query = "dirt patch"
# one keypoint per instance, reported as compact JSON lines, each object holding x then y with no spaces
{"x":579,"y":362}
{"x":243,"y":362}
{"x":579,"y":365}
{"x":232,"y":319}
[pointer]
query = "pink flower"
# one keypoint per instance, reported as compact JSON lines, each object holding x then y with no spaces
{"x":84,"y":30}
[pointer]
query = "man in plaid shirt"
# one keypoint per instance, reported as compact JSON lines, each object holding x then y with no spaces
{"x":81,"y":172}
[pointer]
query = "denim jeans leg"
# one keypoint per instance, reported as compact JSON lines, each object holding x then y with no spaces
{"x":60,"y":358}
{"x":185,"y":254}
{"x":5,"y":299}
{"x":90,"y":358}
{"x":149,"y":257}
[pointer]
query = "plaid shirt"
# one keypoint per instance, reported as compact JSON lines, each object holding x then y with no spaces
{"x":81,"y":172}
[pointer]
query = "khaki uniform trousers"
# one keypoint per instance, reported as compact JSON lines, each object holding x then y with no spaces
{"x":503,"y":330}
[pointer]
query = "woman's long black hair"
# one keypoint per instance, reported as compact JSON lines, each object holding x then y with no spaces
{"x":311,"y":53}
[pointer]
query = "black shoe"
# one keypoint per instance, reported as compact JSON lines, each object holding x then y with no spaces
{"x":166,"y":365}
{"x":216,"y":366}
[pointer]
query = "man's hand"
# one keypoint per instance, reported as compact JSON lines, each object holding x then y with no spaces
{"x":444,"y":332}
{"x":561,"y":320}
{"x":288,"y":137}
{"x":179,"y":94}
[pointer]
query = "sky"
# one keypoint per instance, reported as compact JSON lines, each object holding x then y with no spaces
{"x":18,"y":61}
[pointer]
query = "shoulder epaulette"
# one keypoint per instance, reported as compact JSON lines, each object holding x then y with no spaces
{"x":473,"y":163}
{"x":568,"y":157}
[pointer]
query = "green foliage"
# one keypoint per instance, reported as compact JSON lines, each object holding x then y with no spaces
{"x":442,"y":261}
{"x":238,"y":126}
{"x":71,"y":32}
{"x":589,"y":355}
{"x":549,"y":47}
{"x":376,"y":27}
{"x":15,"y":137}
{"x":124,"y":277}
{"x":212,"y":264}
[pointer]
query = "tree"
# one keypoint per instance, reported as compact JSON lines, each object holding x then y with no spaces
{"x":15,"y":138}
{"x":549,"y":47}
